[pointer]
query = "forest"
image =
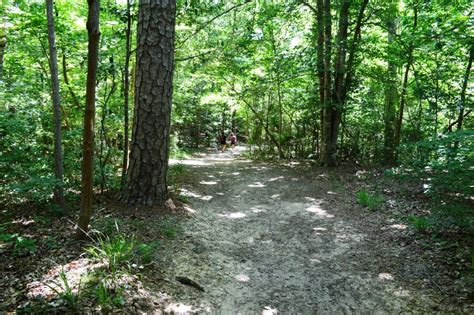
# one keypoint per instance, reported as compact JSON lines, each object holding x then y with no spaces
{"x":242,"y":156}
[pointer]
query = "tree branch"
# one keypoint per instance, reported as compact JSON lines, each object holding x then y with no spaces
{"x":202,"y":26}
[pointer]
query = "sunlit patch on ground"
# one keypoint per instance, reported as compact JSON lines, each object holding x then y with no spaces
{"x":188,"y":193}
{"x":189,"y":209}
{"x":242,"y":278}
{"x":51,"y":283}
{"x":276,"y":178}
{"x":206,"y":198}
{"x":257,"y":185}
{"x":316,"y":209}
{"x":400,"y":292}
{"x":24,"y":221}
{"x":275,"y":196}
{"x":319,"y":230}
{"x":203,"y":182}
{"x":398,"y":226}
{"x":268,"y":310}
{"x":234,"y":215}
{"x":385,"y":276}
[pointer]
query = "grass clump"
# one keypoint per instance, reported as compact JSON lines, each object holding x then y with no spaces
{"x":370,"y":201}
{"x":116,"y":252}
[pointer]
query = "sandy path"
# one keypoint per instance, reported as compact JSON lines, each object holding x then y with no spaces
{"x":282,"y":238}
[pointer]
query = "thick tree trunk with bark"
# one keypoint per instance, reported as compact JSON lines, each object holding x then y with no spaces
{"x":126,"y":93}
{"x":88,"y":141}
{"x":390,"y":92}
{"x":146,"y":178}
{"x":53,"y":64}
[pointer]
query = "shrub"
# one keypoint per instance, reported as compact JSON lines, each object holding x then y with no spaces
{"x":371,"y":201}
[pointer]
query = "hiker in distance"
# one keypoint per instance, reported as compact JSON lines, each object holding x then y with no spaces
{"x":222,"y":141}
{"x":233,"y":140}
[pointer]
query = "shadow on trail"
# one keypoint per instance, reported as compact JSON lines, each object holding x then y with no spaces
{"x":267,"y":237}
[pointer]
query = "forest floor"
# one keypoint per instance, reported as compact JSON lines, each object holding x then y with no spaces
{"x":259,"y":237}
{"x":291,"y":238}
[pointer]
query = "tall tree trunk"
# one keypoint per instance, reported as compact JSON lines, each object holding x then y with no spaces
{"x":398,"y":124}
{"x":126,"y":90}
{"x":53,"y":64}
{"x":326,"y":150}
{"x":463,"y":89}
{"x":320,"y":63}
{"x":339,"y":73}
{"x":390,"y":90}
{"x":89,"y":117}
{"x":146,"y":178}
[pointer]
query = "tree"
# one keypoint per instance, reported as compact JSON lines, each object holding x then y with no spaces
{"x":126,"y":90}
{"x":146,"y":178}
{"x":390,"y":87}
{"x":89,"y":117}
{"x":53,"y":63}
{"x":333,"y":98}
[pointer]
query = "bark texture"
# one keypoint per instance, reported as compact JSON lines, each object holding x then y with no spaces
{"x":88,"y":142}
{"x":126,"y":89}
{"x":146,"y":175}
{"x":53,"y":64}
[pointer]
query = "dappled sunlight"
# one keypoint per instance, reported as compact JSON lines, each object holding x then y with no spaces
{"x":257,"y":209}
{"x":401,"y":292}
{"x":276,"y":178}
{"x":23,"y":221}
{"x":51,"y":284}
{"x":315,"y":260}
{"x":188,"y":193}
{"x":189,"y":162}
{"x":189,"y":209}
{"x":316,"y":209}
{"x":275,"y":196}
{"x":399,"y":226}
{"x":332,"y":193}
{"x":385,"y":276}
{"x":206,"y":198}
{"x":310,"y":198}
{"x":319,"y":230}
{"x":257,"y":185}
{"x":232,"y":215}
{"x":242,"y":278}
{"x":236,"y":173}
{"x":268,"y":310}
{"x":178,"y":308}
{"x":203,"y":182}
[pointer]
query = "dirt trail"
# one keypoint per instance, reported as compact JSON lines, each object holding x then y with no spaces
{"x":266,"y":238}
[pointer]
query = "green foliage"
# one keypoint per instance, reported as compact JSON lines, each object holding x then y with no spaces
{"x":22,"y":246}
{"x":421,"y":223}
{"x":370,"y":201}
{"x":65,"y":291}
{"x":107,"y":297}
{"x":146,"y":251}
{"x":174,"y":172}
{"x":168,"y":227}
{"x":116,"y":252}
